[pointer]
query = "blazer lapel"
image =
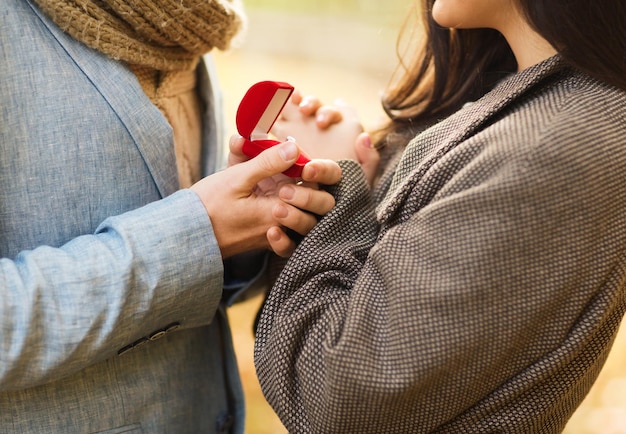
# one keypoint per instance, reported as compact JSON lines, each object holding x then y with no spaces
{"x":428,"y":147}
{"x":141,"y":118}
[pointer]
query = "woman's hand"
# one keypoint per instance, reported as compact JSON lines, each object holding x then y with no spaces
{"x":321,"y":131}
{"x":327,"y":131}
{"x":246,"y":200}
{"x":325,"y":115}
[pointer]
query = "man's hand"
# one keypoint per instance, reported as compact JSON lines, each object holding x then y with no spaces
{"x":252,"y":198}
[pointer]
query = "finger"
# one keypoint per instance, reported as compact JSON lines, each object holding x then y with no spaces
{"x":315,"y":201}
{"x":296,"y":97}
{"x":368,"y":156}
{"x":365,"y":152}
{"x":327,"y":116}
{"x":279,"y":242}
{"x":268,"y":163}
{"x":236,"y":154}
{"x":309,"y":105}
{"x":293,"y":218}
{"x":326,"y":172}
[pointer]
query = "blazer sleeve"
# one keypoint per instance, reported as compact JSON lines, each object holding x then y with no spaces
{"x":62,"y":309}
{"x":497,"y":273}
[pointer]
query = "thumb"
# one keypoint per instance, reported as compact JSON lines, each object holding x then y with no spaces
{"x":270,"y":162}
{"x":367,"y":155}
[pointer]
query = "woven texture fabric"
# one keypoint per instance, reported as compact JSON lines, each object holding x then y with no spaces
{"x":165,"y":35}
{"x":81,"y":143}
{"x":482,"y":294}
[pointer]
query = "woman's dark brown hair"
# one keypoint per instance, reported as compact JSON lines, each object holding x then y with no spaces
{"x":590,"y":35}
{"x":454,"y":66}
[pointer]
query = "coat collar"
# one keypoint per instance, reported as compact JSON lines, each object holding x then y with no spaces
{"x":141,"y":118}
{"x":428,"y":147}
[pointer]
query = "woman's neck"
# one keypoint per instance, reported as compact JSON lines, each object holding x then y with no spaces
{"x":528,"y":46}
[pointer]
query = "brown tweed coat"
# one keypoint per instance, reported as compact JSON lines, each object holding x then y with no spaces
{"x":483,"y":294}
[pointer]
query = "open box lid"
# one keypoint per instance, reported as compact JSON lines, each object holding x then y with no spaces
{"x":260,"y":107}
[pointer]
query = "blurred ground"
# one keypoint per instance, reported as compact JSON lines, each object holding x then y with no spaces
{"x":340,"y":58}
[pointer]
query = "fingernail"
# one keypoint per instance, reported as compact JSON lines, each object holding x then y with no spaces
{"x":309,"y":172}
{"x":287,"y":192}
{"x":367,"y":141}
{"x":273,"y":234}
{"x":320,"y":118}
{"x":280,"y":211}
{"x":291,"y":139}
{"x":289,"y":151}
{"x":306,"y":101}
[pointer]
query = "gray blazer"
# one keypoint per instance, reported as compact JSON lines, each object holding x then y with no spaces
{"x":110,"y":282}
{"x":483,"y":294}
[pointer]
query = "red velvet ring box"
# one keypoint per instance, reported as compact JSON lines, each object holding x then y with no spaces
{"x":257,"y":112}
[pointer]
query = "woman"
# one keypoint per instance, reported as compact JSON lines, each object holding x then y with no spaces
{"x":112,"y":309}
{"x":480,"y":287}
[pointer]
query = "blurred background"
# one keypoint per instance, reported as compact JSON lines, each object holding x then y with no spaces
{"x":347,"y":49}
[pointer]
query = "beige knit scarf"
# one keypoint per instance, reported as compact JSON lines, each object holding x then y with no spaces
{"x":166,"y":35}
